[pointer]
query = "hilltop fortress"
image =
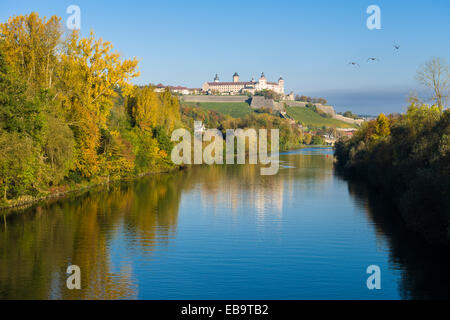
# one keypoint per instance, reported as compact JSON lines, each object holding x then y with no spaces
{"x":239,"y":87}
{"x":237,"y":91}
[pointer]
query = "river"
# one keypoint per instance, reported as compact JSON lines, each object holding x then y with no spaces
{"x":221,"y":232}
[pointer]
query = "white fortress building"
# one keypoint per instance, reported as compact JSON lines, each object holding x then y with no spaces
{"x":239,"y":87}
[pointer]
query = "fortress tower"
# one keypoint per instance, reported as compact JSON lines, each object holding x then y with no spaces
{"x":263,"y":81}
{"x":235,"y":77}
{"x":281,"y":84}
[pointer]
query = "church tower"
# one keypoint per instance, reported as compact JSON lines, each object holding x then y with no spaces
{"x":216,"y":79}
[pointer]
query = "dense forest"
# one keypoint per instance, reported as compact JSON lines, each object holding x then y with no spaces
{"x":407,"y":157}
{"x":69,"y":116}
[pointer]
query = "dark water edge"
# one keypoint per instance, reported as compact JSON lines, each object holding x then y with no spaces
{"x":424,"y":218}
{"x":425,"y":265}
{"x":221,"y":233}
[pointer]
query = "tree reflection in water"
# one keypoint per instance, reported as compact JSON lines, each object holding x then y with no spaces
{"x":102,"y":231}
{"x":424,"y":268}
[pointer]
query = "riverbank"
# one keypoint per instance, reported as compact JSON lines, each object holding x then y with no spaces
{"x":63,"y":191}
{"x":407,"y":158}
{"x":79,"y":189}
{"x":206,"y":232}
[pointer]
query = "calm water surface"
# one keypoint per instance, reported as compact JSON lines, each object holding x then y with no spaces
{"x":222,"y":232}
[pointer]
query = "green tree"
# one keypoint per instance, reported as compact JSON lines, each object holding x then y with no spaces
{"x":58,"y":149}
{"x":17,"y":112}
{"x":317,"y":140}
{"x":19,"y":164}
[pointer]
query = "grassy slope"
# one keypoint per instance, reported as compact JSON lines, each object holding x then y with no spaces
{"x":302,"y":114}
{"x":310,"y":118}
{"x":234,"y":109}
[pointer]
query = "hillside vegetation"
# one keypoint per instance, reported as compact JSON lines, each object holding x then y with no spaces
{"x":304,"y":115}
{"x":407,"y":158}
{"x":310,"y":118}
{"x":290,"y":137}
{"x":233,"y":109}
{"x":69,"y":115}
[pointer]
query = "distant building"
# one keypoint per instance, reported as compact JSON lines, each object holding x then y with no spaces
{"x":160,"y":87}
{"x":348,"y":132}
{"x":178,"y":89}
{"x":290,"y":96}
{"x":241,"y":87}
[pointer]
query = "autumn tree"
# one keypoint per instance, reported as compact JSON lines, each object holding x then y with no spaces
{"x":382,"y":128}
{"x":307,"y":138}
{"x":87,"y":79}
{"x":68,"y":111}
{"x":30,"y":46}
{"x":435,"y":75}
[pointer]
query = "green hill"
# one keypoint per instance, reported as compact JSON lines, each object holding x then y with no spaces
{"x":233,"y":109}
{"x":302,"y":114}
{"x":310,"y":118}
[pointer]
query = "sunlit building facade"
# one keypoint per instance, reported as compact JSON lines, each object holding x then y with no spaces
{"x":240,"y":87}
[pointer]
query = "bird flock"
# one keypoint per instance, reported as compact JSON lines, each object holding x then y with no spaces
{"x":356,"y":64}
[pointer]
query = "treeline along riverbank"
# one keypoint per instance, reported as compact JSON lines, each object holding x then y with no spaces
{"x":70,"y":118}
{"x":407,"y":157}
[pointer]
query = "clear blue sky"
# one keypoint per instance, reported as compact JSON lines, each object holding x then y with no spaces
{"x":309,"y":43}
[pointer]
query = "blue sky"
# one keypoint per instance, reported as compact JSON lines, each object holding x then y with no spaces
{"x":309,"y":43}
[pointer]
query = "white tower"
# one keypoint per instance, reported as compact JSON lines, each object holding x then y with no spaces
{"x":281,"y":85}
{"x":262,"y":81}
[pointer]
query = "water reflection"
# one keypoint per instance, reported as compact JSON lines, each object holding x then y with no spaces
{"x":424,"y":268}
{"x":38,"y":244}
{"x":205,"y":232}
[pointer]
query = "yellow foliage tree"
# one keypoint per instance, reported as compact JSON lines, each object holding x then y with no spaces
{"x":89,"y":75}
{"x":149,"y":109}
{"x":382,"y":126}
{"x":30,"y":44}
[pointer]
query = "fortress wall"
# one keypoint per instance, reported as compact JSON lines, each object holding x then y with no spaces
{"x":326,"y":109}
{"x":261,"y":102}
{"x":194,"y":98}
{"x":291,"y":103}
{"x":349,"y":120}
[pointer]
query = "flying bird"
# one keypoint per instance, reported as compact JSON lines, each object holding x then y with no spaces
{"x":354,"y":64}
{"x":396,"y":47}
{"x":373,"y":59}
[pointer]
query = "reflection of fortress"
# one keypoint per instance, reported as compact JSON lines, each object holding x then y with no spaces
{"x":265,"y":199}
{"x":236,"y":86}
